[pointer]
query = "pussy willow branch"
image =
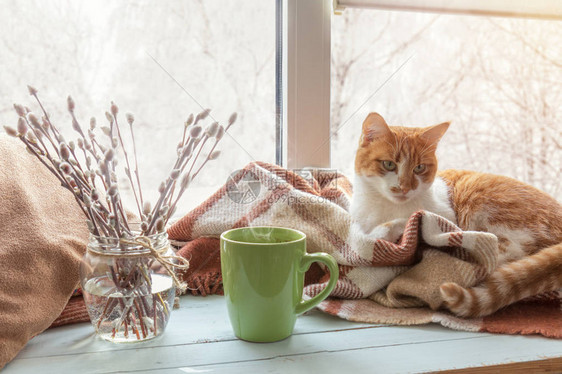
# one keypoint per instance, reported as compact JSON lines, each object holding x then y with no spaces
{"x":38,"y":134}
{"x":45,"y":142}
{"x":180,"y":146}
{"x":114,"y":111}
{"x":130,"y":119}
{"x":33,"y":92}
{"x":189,"y":155}
{"x":184,"y":154}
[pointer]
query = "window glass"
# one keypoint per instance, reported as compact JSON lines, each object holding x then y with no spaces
{"x":159,"y":60}
{"x":497,"y":79}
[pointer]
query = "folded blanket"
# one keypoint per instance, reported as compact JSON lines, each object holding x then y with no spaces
{"x":391,"y":275}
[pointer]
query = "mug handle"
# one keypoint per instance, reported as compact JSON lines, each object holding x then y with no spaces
{"x":332,"y":265}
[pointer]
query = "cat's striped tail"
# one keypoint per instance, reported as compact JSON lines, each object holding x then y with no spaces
{"x":514,"y":281}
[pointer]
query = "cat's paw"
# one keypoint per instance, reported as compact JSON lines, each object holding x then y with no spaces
{"x":390,"y":231}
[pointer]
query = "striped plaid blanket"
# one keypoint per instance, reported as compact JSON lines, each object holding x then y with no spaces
{"x":392,"y":275}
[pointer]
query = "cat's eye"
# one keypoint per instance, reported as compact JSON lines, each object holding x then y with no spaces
{"x":389,"y":165}
{"x":419,"y":169}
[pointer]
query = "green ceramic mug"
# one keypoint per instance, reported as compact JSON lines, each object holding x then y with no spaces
{"x":263,"y":276}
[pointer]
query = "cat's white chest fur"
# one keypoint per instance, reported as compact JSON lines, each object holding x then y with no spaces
{"x":369,"y":208}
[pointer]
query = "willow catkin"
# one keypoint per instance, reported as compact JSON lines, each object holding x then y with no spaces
{"x":32,"y":118}
{"x":185,"y":181}
{"x":232,"y":118}
{"x":64,"y":151}
{"x":212,"y":129}
{"x":32,"y":90}
{"x":146,"y":208}
{"x":220,"y":133}
{"x":109,"y":117}
{"x":22,"y":126}
{"x":65,"y":168}
{"x":214,"y":155}
{"x":195,"y":131}
{"x":20,"y":110}
{"x":10,"y":131}
{"x":174,"y":175}
{"x":70,"y":104}
{"x":189,"y":120}
{"x":130,"y":118}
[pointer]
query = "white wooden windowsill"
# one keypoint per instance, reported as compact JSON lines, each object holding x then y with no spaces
{"x":199,"y":339}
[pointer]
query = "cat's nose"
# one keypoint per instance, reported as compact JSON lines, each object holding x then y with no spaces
{"x":397,"y":190}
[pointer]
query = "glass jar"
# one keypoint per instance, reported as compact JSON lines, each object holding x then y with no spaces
{"x":129,"y":294}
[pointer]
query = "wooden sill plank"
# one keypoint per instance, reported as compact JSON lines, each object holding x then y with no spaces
{"x":385,"y":349}
{"x":553,"y":365}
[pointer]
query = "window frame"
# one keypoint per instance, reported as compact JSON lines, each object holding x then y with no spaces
{"x":543,"y":9}
{"x":304,"y":84}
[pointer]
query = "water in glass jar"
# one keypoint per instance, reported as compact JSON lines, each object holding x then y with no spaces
{"x":141,"y":313}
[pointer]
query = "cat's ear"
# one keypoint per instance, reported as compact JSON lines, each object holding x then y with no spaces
{"x":433,"y":134}
{"x":374,"y":127}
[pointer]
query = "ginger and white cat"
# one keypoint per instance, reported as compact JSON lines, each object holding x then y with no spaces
{"x":396,"y":175}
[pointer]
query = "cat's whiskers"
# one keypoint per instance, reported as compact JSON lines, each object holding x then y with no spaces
{"x":393,"y":146}
{"x":399,"y":143}
{"x":427,"y":149}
